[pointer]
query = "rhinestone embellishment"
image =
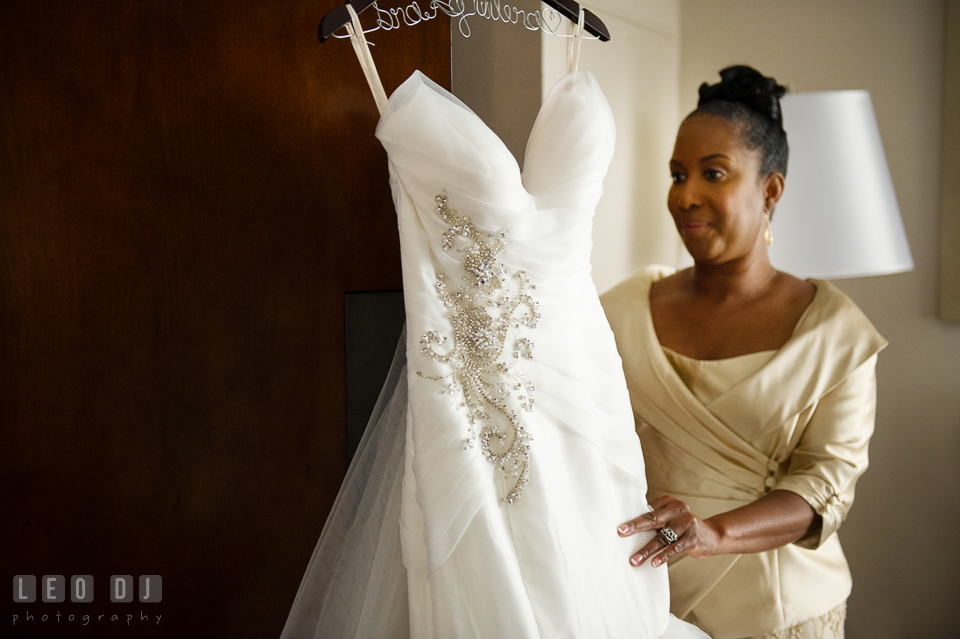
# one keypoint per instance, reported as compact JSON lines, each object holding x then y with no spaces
{"x":482,"y":311}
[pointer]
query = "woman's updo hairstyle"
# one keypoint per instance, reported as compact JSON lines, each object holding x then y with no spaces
{"x":751,"y":101}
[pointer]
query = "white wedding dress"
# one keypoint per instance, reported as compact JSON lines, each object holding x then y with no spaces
{"x":501,"y":458}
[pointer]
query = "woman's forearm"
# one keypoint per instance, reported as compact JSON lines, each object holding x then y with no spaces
{"x":778,"y":518}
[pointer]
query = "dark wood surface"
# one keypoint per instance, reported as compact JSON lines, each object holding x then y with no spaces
{"x":187,"y":191}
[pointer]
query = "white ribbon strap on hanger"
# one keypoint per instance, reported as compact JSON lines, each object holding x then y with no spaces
{"x":360,"y":47}
{"x":573,"y":47}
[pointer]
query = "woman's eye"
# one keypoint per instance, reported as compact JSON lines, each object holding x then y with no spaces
{"x":713,"y":175}
{"x":678,"y":178}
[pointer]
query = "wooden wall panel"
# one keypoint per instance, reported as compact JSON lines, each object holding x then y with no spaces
{"x":187,"y":190}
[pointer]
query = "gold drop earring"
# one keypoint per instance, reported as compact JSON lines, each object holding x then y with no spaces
{"x":768,"y":234}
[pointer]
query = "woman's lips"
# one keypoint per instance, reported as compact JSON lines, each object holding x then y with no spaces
{"x":693,"y":226}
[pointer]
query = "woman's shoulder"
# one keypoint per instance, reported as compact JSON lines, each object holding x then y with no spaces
{"x":834,"y":304}
{"x":834,"y":317}
{"x":791,"y":286}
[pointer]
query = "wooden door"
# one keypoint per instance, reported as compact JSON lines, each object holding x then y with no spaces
{"x":187,"y":191}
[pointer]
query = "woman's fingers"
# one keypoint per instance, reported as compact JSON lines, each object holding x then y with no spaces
{"x":692,"y":535}
{"x":695,"y":537}
{"x":641,"y":523}
{"x":672,"y":551}
{"x":662,"y":552}
{"x":662,"y":501}
{"x":656,"y":545}
{"x":665,"y":509}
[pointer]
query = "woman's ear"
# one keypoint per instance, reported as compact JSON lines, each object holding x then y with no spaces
{"x":773,"y":186}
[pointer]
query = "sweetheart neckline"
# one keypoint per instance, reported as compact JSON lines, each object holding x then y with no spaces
{"x":444,"y":93}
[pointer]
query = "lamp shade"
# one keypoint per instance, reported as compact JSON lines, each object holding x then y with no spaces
{"x":838,"y":216}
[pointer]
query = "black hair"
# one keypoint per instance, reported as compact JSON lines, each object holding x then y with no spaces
{"x":751,"y":101}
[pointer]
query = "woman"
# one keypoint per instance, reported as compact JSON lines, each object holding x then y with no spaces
{"x":754,"y":392}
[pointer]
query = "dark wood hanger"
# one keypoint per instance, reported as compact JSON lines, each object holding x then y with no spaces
{"x":337,"y":17}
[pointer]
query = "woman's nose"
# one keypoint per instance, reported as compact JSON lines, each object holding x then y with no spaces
{"x":686,"y":196}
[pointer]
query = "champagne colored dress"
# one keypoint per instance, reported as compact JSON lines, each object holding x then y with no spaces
{"x":721,"y":434}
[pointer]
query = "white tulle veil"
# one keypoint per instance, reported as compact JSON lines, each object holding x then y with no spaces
{"x":355,"y":585}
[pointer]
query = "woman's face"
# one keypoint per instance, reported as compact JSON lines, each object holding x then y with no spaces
{"x":718,"y":197}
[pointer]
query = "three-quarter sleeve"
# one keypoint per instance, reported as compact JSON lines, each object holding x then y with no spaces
{"x":832,"y":452}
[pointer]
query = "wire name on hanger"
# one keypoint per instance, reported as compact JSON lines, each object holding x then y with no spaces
{"x":544,"y":19}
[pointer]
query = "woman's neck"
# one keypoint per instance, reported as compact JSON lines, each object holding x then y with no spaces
{"x":746,"y":277}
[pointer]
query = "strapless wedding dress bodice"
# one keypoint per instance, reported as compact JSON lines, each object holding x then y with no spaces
{"x":521,"y":458}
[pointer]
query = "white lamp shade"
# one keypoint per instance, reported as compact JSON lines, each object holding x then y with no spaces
{"x":838,"y":216}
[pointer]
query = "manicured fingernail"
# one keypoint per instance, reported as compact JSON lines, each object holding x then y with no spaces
{"x":624,"y":529}
{"x":635,"y":560}
{"x":655,"y":563}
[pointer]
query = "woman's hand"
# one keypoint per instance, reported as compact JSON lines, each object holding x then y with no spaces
{"x":778,"y":518}
{"x":695,"y":537}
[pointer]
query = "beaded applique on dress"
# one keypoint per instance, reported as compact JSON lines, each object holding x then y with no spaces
{"x":482,"y":312}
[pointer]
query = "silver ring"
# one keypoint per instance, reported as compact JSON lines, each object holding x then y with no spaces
{"x":668,"y":535}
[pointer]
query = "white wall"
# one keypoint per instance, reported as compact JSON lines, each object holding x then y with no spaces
{"x":902,"y":534}
{"x":638,"y":70}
